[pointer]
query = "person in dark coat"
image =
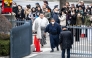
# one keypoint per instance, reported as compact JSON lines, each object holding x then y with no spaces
{"x":20,"y":15}
{"x":66,"y":41}
{"x":55,"y":14}
{"x":37,"y":5}
{"x":54,"y":30}
{"x":68,"y":17}
{"x":38,"y":11}
{"x":73,"y":17}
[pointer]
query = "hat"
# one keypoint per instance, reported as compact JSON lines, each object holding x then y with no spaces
{"x":56,"y":6}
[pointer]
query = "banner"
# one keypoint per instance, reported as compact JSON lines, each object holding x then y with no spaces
{"x":6,"y":6}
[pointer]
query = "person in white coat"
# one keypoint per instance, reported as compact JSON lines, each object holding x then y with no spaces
{"x":39,"y":26}
{"x":63,"y":19}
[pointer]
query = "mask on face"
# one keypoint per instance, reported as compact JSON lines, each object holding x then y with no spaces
{"x":52,"y":22}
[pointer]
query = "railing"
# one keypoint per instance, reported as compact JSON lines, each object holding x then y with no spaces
{"x":82,"y":46}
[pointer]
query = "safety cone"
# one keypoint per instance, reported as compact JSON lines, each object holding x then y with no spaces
{"x":37,"y":44}
{"x":35,"y":40}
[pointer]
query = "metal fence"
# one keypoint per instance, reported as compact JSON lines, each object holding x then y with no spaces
{"x":82,"y":46}
{"x":21,"y":39}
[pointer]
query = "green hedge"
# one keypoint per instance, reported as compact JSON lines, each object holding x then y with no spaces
{"x":4,"y":44}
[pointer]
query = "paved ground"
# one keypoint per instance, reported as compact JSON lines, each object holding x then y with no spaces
{"x":79,"y":48}
{"x":52,"y":55}
{"x":47,"y":54}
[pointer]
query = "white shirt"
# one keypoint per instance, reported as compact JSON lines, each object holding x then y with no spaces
{"x":63,"y":20}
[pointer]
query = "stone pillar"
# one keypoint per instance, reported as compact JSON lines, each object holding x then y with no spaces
{"x":62,"y":2}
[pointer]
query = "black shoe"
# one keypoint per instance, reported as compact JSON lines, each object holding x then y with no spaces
{"x":52,"y":50}
{"x":42,"y":46}
{"x":57,"y":49}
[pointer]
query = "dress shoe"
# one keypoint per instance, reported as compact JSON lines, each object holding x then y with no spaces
{"x":57,"y":49}
{"x":52,"y":50}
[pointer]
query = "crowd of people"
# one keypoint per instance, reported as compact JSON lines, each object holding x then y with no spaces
{"x":54,"y":21}
{"x":68,"y":15}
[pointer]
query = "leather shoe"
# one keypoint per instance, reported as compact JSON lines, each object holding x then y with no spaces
{"x":57,"y":49}
{"x":52,"y":50}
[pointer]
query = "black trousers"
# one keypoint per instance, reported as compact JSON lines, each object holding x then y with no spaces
{"x":63,"y":53}
{"x":77,"y":34}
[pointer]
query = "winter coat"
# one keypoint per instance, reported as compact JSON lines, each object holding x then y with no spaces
{"x":73,"y":20}
{"x":47,"y":15}
{"x":66,"y":39}
{"x":87,"y":21}
{"x":15,"y":10}
{"x":63,"y":20}
{"x":27,"y":12}
{"x":79,"y":20}
{"x":55,"y":16}
{"x":20,"y":14}
{"x":68,"y":18}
